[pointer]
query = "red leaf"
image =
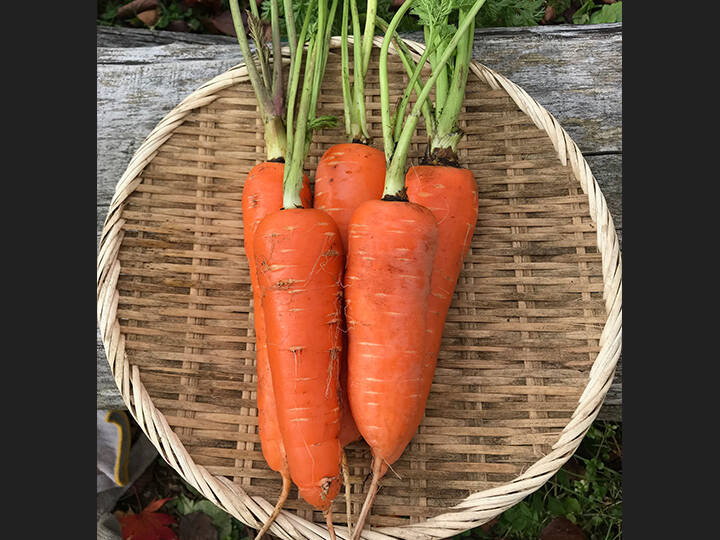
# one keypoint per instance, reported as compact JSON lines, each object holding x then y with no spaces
{"x":148,"y":524}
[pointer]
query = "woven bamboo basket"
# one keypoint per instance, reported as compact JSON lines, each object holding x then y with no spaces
{"x":529,"y":348}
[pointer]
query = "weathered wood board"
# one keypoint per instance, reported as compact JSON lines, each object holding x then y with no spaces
{"x":574,"y":72}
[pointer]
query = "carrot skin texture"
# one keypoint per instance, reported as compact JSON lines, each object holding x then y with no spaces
{"x":299,"y":260}
{"x":451,"y":193}
{"x":347,"y":175}
{"x":391,"y":246}
{"x":263,"y":194}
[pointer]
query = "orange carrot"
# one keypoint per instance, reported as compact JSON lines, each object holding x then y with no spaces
{"x":262,"y":195}
{"x":391,"y":246}
{"x":451,"y":193}
{"x":299,"y":260}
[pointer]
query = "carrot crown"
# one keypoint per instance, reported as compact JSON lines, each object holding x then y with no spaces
{"x":398,"y":131}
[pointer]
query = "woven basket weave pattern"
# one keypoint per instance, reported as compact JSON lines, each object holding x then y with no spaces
{"x":529,"y":348}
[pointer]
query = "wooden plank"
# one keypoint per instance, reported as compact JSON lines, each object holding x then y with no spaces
{"x":142,"y":75}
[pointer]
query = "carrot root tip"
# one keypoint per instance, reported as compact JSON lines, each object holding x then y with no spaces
{"x":346,"y":481}
{"x":328,"y":521}
{"x":370,"y":497}
{"x":278,"y":506}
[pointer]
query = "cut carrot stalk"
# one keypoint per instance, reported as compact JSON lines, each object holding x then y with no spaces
{"x":391,"y":249}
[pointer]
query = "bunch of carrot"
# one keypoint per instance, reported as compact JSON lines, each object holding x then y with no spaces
{"x":351,"y":287}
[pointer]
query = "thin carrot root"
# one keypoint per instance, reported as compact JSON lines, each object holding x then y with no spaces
{"x":346,"y":481}
{"x":278,"y":506}
{"x":369,"y":498}
{"x":328,"y":521}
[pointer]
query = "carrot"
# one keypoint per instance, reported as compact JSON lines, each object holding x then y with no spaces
{"x":347,"y":175}
{"x":451,"y":194}
{"x":262,"y":195}
{"x":299,"y":260}
{"x":392,"y":244}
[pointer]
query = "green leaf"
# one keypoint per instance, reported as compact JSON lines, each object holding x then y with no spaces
{"x":572,"y":506}
{"x":563,"y":478}
{"x":511,"y":13}
{"x":184,"y":505}
{"x":582,"y":16}
{"x":555,"y":507}
{"x":609,"y":13}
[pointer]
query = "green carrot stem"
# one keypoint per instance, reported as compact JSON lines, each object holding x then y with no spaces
{"x":293,"y":82}
{"x":370,"y":14}
{"x":400,"y":114}
{"x":448,"y":133}
{"x":441,"y":87}
{"x":322,"y":58}
{"x":293,"y":173}
{"x":405,"y":56}
{"x":274,"y":142}
{"x":261,"y":92}
{"x":277,"y":83}
{"x":387,"y":125}
{"x":261,"y":58}
{"x":314,"y":122}
{"x":345,"y":68}
{"x":395,"y":174}
{"x":257,"y":33}
{"x":290,"y":25}
{"x":358,"y":122}
{"x":254,"y":8}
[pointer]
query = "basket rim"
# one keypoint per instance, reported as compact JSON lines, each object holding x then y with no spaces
{"x":476,"y":509}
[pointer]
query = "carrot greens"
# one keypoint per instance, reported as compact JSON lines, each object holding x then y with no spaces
{"x":441,"y":22}
{"x":354,"y":95}
{"x":269,"y":89}
{"x":397,"y":133}
{"x":299,"y":133}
